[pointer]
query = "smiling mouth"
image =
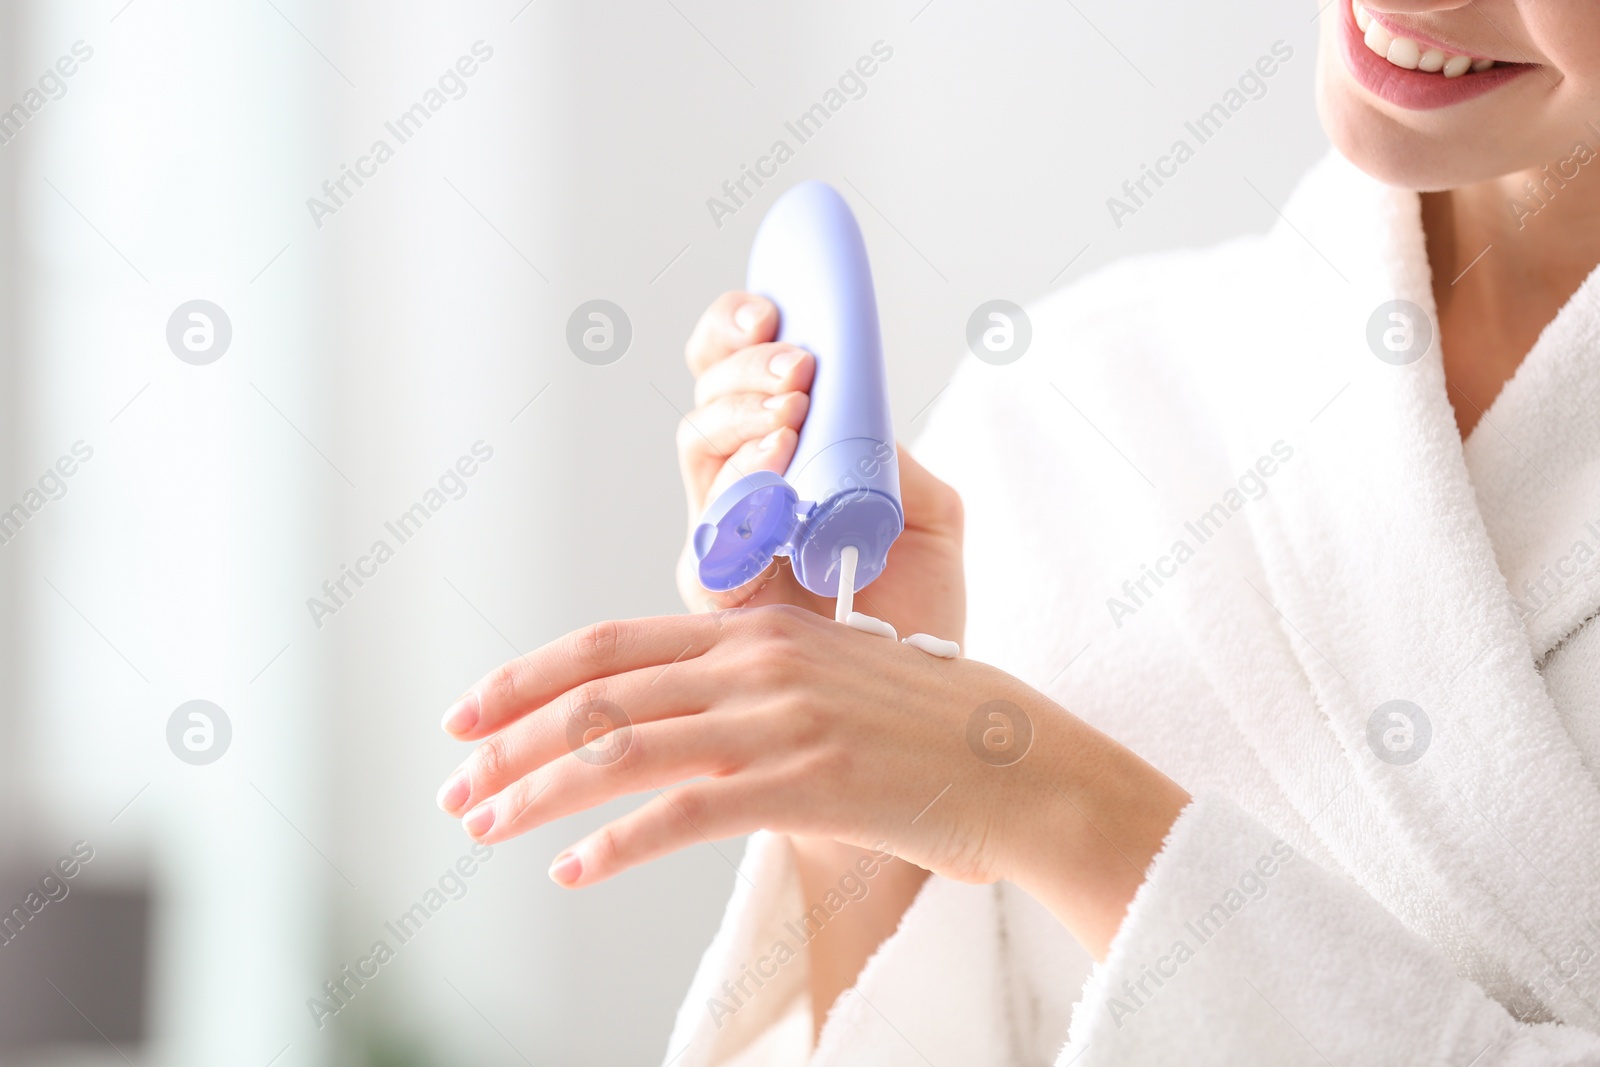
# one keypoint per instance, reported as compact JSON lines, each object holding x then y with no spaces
{"x":1418,"y":74}
{"x":1407,"y":54}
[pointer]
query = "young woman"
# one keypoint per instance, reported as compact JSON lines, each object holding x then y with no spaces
{"x":1280,"y":696}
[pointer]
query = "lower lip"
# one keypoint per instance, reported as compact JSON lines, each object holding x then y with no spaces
{"x":1415,"y":89}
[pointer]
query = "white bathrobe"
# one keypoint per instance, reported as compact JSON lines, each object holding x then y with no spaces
{"x":1323,"y":899}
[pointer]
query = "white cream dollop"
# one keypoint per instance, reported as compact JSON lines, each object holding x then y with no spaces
{"x":869,"y":625}
{"x":934,"y":646}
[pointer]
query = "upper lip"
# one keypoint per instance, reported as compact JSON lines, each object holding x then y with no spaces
{"x":1387,"y":21}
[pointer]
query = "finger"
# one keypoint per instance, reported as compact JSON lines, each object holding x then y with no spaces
{"x":604,"y":649}
{"x":635,"y":759}
{"x":770,"y":453}
{"x":767,"y":369}
{"x":734,"y":320}
{"x":775,"y":585}
{"x":688,"y":815}
{"x":710,"y":437}
{"x":583,"y":717}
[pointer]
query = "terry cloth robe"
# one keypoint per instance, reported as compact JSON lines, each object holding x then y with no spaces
{"x":1221,"y":510}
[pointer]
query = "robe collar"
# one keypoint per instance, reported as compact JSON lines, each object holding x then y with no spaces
{"x":1370,"y":574}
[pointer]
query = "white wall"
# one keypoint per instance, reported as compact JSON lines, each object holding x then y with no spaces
{"x":415,"y":322}
{"x":158,"y":578}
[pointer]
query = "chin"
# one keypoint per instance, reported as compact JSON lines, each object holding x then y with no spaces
{"x":1396,"y":151}
{"x":1381,"y":146}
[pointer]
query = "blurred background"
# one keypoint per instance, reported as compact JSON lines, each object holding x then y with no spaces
{"x":228,"y":364}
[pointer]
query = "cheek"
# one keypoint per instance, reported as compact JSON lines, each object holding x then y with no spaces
{"x":1568,"y":33}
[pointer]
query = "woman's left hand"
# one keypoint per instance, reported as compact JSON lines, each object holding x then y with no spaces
{"x":777,"y":718}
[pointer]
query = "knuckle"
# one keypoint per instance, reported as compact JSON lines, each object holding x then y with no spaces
{"x":829,"y":767}
{"x":583,"y":695}
{"x":769,"y":668}
{"x":754,"y":362}
{"x":691,"y":805}
{"x":598,"y":643}
{"x":719,"y":381}
{"x":776,"y":653}
{"x":630,"y":759}
{"x":491,"y":760}
{"x":806,"y":727}
{"x":503,"y":683}
{"x":774,"y":624}
{"x":717,"y":317}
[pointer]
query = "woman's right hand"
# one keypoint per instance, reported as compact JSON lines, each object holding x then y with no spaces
{"x":751,"y":397}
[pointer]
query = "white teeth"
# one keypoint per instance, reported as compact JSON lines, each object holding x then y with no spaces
{"x":1407,"y":54}
{"x":1378,"y":39}
{"x":1403,"y":52}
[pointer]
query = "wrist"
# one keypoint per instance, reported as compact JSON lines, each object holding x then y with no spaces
{"x":1099,"y":815}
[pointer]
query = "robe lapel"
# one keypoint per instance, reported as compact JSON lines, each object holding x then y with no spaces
{"x":1367,"y":575}
{"x":1535,"y":460}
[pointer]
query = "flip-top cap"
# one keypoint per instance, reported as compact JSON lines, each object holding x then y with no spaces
{"x":752,"y":521}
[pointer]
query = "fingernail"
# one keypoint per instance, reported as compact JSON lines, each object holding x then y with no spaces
{"x":566,"y":869}
{"x":462,"y":716}
{"x":453,"y":794}
{"x":747,"y":316}
{"x":770,"y":441}
{"x":783,"y":362}
{"x":772,"y":402}
{"x":479,"y":820}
